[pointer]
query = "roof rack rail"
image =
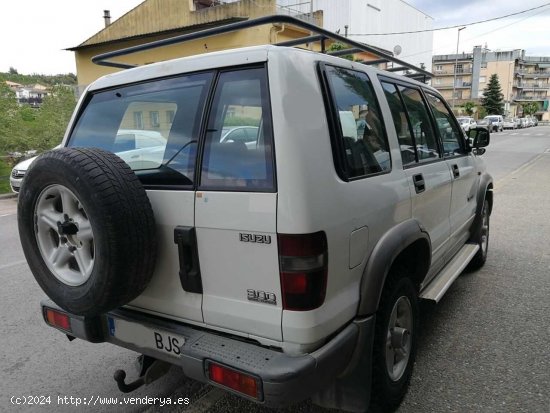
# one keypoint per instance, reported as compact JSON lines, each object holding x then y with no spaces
{"x":318,"y":35}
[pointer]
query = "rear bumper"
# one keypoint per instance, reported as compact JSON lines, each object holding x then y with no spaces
{"x":284,"y":378}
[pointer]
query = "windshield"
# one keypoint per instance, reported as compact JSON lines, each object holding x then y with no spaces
{"x":492,"y":118}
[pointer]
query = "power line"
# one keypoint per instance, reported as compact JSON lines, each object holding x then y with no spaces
{"x":482,"y":34}
{"x":455,"y":26}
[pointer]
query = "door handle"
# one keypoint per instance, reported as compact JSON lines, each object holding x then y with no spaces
{"x":419,"y":184}
{"x":190,"y":272}
{"x":456,"y":171}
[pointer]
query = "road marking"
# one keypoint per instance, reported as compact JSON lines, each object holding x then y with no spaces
{"x":7,"y":215}
{"x":547,"y":150}
{"x":12,"y":264}
{"x":540,"y":134}
{"x":515,"y":133}
{"x":523,"y":168}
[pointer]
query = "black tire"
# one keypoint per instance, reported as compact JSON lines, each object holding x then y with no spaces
{"x":481,"y":237}
{"x":388,"y":392}
{"x":121,"y":242}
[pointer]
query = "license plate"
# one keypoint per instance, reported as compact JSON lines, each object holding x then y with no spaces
{"x":145,"y":337}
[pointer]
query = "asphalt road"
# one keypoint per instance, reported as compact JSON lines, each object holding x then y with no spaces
{"x":484,"y":347}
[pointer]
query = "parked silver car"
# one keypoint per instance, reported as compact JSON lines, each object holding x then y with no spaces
{"x":467,"y":123}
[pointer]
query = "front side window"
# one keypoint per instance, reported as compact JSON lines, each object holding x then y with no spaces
{"x":238,"y":152}
{"x":127,"y":121}
{"x":366,"y":149}
{"x":450,"y":133}
{"x":424,"y":137}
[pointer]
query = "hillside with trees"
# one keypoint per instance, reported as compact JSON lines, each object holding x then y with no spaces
{"x":23,"y":127}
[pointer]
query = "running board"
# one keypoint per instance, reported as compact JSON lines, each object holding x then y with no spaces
{"x":440,"y":284}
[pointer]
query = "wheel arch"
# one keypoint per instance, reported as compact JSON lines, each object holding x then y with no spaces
{"x":406,"y":242}
{"x":485,"y":190}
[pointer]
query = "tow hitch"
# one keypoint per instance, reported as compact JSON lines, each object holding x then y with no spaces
{"x":150,"y":369}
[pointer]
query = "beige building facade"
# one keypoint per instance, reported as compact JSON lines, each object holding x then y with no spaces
{"x":522,"y":79}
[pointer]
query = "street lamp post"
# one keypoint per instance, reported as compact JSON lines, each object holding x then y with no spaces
{"x":456,"y":63}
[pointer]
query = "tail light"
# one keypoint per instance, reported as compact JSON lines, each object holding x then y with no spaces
{"x":57,"y":319}
{"x":303,"y":263}
{"x":235,"y":380}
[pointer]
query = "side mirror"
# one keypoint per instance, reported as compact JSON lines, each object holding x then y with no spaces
{"x":479,"y":136}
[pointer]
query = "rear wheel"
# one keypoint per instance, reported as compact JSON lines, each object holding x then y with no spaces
{"x":395,"y":341}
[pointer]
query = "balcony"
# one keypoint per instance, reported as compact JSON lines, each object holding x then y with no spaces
{"x":525,"y":73}
{"x":452,"y":73}
{"x":532,"y":86}
{"x":529,"y":98}
{"x":462,"y":85}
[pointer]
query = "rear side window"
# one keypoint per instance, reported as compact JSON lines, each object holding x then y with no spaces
{"x":154,"y":127}
{"x":365,"y":146}
{"x":238,"y":152}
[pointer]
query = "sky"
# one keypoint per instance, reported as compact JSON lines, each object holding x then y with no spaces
{"x":33,"y":33}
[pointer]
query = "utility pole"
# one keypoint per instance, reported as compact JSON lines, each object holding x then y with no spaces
{"x":456,"y":64}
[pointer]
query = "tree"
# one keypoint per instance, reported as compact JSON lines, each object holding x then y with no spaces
{"x":339,"y":46}
{"x":53,"y":117}
{"x":530,"y":108}
{"x":493,"y":99}
{"x":13,"y":71}
{"x":11,"y":131}
{"x":469,"y":108}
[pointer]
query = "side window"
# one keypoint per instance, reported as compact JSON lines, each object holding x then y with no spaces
{"x":233,"y":158}
{"x":366,"y":149}
{"x":450,"y":133}
{"x":424,"y":136}
{"x":153,"y":126}
{"x":401,"y":123}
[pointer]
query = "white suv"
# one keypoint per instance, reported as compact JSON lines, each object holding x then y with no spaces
{"x":288,"y":268}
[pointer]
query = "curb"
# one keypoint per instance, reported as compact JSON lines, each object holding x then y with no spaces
{"x":8,"y":196}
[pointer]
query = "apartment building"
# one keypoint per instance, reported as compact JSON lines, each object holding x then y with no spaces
{"x":522,"y":78}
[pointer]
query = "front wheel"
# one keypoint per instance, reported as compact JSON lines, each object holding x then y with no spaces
{"x":395,"y":341}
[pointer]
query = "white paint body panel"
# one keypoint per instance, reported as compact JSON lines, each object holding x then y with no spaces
{"x":229,"y":267}
{"x":164,"y":294}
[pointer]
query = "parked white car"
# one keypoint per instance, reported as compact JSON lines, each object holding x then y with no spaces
{"x":467,"y":123}
{"x":509,"y":123}
{"x":497,"y":122}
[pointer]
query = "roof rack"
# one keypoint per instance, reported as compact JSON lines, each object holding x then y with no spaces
{"x":318,"y":35}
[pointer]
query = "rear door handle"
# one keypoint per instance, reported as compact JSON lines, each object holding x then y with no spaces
{"x":419,"y":184}
{"x":190,"y":272}
{"x":456,"y":171}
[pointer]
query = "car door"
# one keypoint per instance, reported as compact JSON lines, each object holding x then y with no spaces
{"x":464,"y":174}
{"x":166,"y":114}
{"x":428,"y":174}
{"x":235,"y":211}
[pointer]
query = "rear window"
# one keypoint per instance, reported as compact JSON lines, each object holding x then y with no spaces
{"x":154,"y":127}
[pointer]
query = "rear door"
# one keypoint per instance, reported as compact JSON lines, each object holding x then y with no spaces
{"x":155,"y":127}
{"x":235,"y":209}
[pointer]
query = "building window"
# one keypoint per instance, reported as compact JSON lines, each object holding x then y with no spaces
{"x":482,"y":79}
{"x":437,"y":80}
{"x":155,"y":120}
{"x":170,"y":116}
{"x":438,"y":68}
{"x":484,"y":65}
{"x":459,"y":68}
{"x":138,"y":120}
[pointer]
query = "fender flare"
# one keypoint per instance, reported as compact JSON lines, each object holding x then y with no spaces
{"x":390,"y":245}
{"x":485,"y":181}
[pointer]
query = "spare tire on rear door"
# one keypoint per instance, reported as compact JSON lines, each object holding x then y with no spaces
{"x":87,"y":229}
